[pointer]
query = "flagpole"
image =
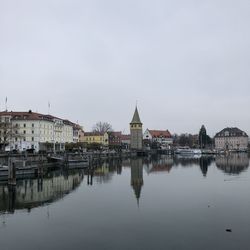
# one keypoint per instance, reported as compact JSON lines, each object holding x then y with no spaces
{"x":6,"y":99}
{"x":49,"y":108}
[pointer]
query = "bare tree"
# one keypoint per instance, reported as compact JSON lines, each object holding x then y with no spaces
{"x":8,"y":131}
{"x":102,"y":127}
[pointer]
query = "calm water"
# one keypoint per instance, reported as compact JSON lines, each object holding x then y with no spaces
{"x":162,"y":203}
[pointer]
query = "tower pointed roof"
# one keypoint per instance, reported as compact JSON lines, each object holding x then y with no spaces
{"x":136,"y":117}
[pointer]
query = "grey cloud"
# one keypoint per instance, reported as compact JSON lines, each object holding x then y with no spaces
{"x":186,"y":62}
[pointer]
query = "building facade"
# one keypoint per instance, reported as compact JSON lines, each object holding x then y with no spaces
{"x":28,"y":130}
{"x":231,"y":139}
{"x":161,"y":137}
{"x":96,"y":137}
{"x":136,"y":132}
{"x":115,"y":138}
{"x":125,"y":141}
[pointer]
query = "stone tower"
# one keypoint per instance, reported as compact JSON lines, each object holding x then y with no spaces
{"x":136,"y":131}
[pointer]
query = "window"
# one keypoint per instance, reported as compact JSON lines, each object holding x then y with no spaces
{"x":24,"y":125}
{"x":32,"y":131}
{"x":32,"y":125}
{"x":32,"y":138}
{"x":24,"y":131}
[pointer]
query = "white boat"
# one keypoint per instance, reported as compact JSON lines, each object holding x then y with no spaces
{"x":188,"y":151}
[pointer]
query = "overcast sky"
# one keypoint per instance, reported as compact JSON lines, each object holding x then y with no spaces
{"x":186,"y":62}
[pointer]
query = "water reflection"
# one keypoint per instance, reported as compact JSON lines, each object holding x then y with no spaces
{"x":137,"y":177}
{"x":158,"y":164}
{"x":31,"y":193}
{"x":178,"y":203}
{"x":204,"y":163}
{"x":188,"y":161}
{"x":232,"y":163}
{"x":105,"y":172}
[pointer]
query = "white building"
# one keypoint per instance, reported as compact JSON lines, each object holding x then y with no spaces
{"x":231,"y":139}
{"x":162,"y":137}
{"x":29,"y":130}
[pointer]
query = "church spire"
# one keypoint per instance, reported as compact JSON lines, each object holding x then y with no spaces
{"x":136,"y":117}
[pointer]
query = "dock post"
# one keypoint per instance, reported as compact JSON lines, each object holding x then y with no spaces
{"x":12,"y":174}
{"x":40,"y":175}
{"x":88,"y":177}
{"x":40,"y":166}
{"x":12,"y":198}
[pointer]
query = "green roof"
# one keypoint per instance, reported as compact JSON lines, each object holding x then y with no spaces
{"x":136,"y":117}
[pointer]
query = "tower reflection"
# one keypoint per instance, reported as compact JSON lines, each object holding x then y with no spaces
{"x":137,"y":177}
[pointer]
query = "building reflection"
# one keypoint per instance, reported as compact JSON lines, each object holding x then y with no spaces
{"x":156,"y":164}
{"x":232,"y":163}
{"x":104,"y":172}
{"x":137,"y":177}
{"x":188,"y":161}
{"x":31,"y":193}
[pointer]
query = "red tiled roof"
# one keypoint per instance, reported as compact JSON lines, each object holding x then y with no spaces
{"x":17,"y":115}
{"x":93,"y":134}
{"x":26,"y":115}
{"x":160,"y":133}
{"x":125,"y":137}
{"x":114,"y":133}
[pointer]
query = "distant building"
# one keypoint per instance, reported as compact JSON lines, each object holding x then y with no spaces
{"x":162,"y":137}
{"x":231,"y":139}
{"x":96,"y":137}
{"x":136,"y":132}
{"x":30,"y":130}
{"x":81,"y":135}
{"x":115,"y":138}
{"x":77,"y":131}
{"x":125,"y":141}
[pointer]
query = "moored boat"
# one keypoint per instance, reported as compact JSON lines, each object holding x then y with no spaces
{"x":188,"y":151}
